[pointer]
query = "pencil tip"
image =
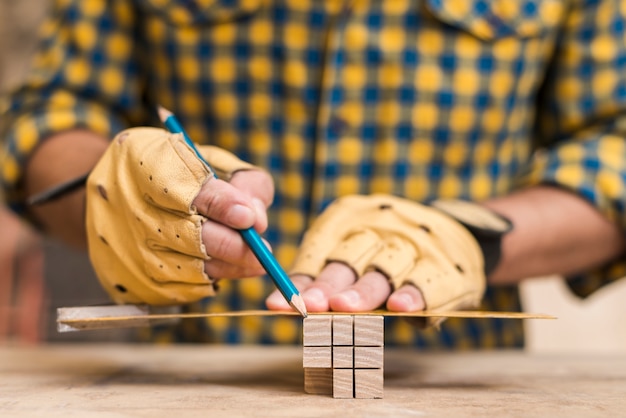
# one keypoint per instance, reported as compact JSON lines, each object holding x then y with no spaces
{"x":297,"y":303}
{"x":163,"y":113}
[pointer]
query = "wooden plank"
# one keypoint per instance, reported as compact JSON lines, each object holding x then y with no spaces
{"x":343,"y":330}
{"x":81,"y":322}
{"x":135,"y":314}
{"x":318,"y":381}
{"x":317,"y":330}
{"x":343,"y":383}
{"x":343,"y":357}
{"x":368,"y":383}
{"x":317,"y":357}
{"x":369,"y":331}
{"x":369,"y":357}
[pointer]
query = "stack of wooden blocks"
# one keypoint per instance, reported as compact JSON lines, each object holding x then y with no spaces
{"x":343,"y":355}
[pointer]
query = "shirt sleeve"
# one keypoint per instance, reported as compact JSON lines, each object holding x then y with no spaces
{"x":581,"y":120}
{"x":84,"y":75}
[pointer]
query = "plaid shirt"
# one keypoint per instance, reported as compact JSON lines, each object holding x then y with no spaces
{"x":422,"y":99}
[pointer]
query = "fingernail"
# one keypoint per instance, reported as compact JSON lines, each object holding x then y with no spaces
{"x":351,"y":296}
{"x":241,"y":215}
{"x":276,"y":299}
{"x":314,"y":295}
{"x":406,"y":300}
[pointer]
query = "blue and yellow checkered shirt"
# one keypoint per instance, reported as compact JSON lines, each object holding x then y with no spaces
{"x":418,"y":98}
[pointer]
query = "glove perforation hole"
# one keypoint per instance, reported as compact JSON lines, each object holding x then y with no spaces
{"x":177,"y":236}
{"x":459,"y":268}
{"x":425,"y":228}
{"x":150,"y":177}
{"x":159,"y":230}
{"x":120,"y":288}
{"x":160,"y":266}
{"x":103,"y":240}
{"x":178,"y":267}
{"x":384,"y":206}
{"x":165,"y":190}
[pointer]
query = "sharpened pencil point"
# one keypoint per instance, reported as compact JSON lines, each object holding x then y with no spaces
{"x":163,"y":113}
{"x":297,"y":303}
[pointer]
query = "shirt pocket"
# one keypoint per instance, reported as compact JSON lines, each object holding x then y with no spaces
{"x":200,"y":12}
{"x":495,"y":19}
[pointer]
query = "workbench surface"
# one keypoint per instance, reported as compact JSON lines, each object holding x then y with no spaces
{"x":267,"y":381}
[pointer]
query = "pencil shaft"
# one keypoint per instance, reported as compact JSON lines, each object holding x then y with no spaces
{"x":251,"y":237}
{"x":269,"y":262}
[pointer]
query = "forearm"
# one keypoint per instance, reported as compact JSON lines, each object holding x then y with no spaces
{"x":60,"y":158}
{"x":555,"y":232}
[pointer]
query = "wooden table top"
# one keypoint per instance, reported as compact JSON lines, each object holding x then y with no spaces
{"x":214,"y":381}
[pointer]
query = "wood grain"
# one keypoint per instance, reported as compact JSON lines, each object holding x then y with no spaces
{"x":245,"y":380}
{"x":368,"y":383}
{"x":369,"y":331}
{"x":342,"y":330}
{"x":369,"y":357}
{"x":343,"y":357}
{"x":318,"y":381}
{"x":343,"y":383}
{"x":317,"y":330}
{"x":317,"y":357}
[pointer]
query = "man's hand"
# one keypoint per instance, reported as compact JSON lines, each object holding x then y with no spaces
{"x":368,"y":251}
{"x":161,"y":228}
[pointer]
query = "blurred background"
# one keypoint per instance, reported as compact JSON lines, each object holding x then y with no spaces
{"x":38,"y":275}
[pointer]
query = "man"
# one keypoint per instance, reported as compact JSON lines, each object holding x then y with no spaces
{"x":516,"y":106}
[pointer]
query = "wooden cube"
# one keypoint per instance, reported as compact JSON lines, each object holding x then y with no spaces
{"x":368,"y":383}
{"x":343,"y":383}
{"x":320,"y":357}
{"x":368,"y":357}
{"x":318,"y":381}
{"x":343,"y":330}
{"x":317,"y":330}
{"x":343,"y":357}
{"x":369,"y":330}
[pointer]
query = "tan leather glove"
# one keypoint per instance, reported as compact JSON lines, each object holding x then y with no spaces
{"x":407,"y":242}
{"x":143,"y":232}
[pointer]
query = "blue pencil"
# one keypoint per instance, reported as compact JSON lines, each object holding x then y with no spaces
{"x":250,"y":236}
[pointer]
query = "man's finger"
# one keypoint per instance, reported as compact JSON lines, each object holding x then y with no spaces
{"x":219,"y":269}
{"x":334,"y":278}
{"x":407,"y":298}
{"x":259,"y":186}
{"x":227,"y":244}
{"x":368,"y":293}
{"x":277,"y":302}
{"x":255,"y":183}
{"x":225,"y":204}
